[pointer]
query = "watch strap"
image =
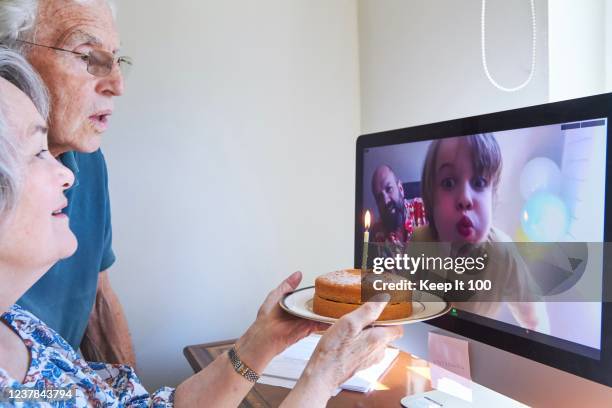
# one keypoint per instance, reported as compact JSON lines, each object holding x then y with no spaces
{"x":241,"y":368}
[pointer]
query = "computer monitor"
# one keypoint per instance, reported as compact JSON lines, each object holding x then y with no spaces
{"x":549,"y":186}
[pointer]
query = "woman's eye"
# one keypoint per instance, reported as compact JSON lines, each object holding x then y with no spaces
{"x":41,"y":153}
{"x":448,"y":183}
{"x":480,"y":183}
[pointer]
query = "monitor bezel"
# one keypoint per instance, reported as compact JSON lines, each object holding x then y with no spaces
{"x":591,"y":107}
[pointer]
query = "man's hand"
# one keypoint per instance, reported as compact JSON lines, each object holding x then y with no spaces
{"x":107,"y":338}
{"x":274,"y":330}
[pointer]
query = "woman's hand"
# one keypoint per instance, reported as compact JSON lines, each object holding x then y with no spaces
{"x":274,"y":330}
{"x":348,"y":346}
{"x":218,"y":385}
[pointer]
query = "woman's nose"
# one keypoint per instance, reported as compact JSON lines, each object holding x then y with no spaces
{"x":464,"y":199}
{"x":66,"y":176}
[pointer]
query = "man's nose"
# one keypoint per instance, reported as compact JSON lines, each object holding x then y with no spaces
{"x":112,"y":84}
{"x":464,"y":198}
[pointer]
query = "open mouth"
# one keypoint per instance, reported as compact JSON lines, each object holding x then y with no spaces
{"x":59,"y":212}
{"x":100,"y":119}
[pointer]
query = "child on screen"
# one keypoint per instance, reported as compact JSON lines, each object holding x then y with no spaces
{"x":459,"y":186}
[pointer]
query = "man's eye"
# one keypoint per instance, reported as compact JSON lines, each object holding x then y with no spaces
{"x":448,"y":183}
{"x":84,"y":57}
{"x":480,"y":183}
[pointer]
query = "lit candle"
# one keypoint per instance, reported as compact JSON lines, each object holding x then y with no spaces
{"x":366,"y":239}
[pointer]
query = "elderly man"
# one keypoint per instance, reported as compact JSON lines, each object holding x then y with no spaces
{"x":398,"y":215}
{"x":73,"y":46}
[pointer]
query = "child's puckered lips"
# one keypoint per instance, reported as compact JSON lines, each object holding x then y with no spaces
{"x":465,"y":226}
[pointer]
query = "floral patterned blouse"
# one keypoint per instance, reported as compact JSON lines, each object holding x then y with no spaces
{"x":54,"y":364}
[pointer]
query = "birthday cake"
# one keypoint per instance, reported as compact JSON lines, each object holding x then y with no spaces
{"x":338,"y":293}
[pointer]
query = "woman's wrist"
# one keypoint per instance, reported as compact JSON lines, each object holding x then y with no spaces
{"x":255,"y":349}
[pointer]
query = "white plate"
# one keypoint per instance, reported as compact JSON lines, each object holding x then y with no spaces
{"x":425,"y":306}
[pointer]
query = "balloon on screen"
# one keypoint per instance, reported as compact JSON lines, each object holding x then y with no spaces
{"x":545,"y":218}
{"x":540,"y":174}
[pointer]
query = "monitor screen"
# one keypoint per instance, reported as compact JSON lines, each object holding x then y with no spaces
{"x":558,"y":167}
{"x":533,"y":176}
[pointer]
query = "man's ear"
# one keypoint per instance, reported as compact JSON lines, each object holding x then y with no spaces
{"x":400,"y":187}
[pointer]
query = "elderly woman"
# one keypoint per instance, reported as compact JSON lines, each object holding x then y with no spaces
{"x":34,"y":234}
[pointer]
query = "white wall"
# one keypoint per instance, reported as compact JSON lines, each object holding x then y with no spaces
{"x":420,"y":62}
{"x":576,"y":48}
{"x":231,"y":162}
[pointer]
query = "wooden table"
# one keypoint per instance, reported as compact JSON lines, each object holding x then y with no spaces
{"x":407,"y":375}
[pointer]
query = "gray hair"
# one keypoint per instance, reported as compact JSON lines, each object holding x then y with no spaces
{"x":16,"y":70}
{"x":18,"y":21}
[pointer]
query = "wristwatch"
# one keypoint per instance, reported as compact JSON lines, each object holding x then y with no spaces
{"x":241,"y":368}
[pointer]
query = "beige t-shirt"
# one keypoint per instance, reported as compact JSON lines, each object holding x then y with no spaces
{"x":506,"y":268}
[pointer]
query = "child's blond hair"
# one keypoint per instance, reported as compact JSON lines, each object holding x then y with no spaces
{"x":486,"y":160}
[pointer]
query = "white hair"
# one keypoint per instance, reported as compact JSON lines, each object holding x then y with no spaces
{"x":18,"y":21}
{"x":16,"y":70}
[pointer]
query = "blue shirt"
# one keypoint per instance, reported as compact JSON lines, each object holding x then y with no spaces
{"x":63,"y":298}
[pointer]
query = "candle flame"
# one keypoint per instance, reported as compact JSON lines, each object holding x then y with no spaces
{"x":367,"y":219}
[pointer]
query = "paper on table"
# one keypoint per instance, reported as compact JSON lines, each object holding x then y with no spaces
{"x":282,"y":382}
{"x":365,"y":380}
{"x":450,"y":366}
{"x":449,"y":353}
{"x":289,"y":366}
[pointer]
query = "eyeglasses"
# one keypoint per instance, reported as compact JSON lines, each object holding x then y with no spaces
{"x":99,"y":63}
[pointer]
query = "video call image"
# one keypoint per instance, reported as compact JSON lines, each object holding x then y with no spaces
{"x":543,"y":184}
